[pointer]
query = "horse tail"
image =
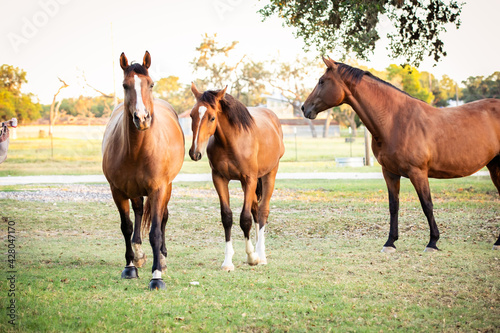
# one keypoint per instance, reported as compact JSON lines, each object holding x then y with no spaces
{"x":258,"y":190}
{"x":146,"y":219}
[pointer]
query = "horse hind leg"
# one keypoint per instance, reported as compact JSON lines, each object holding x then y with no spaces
{"x":494,"y":168}
{"x":249,"y":189}
{"x":421,"y":184}
{"x":163,"y":250}
{"x":139,"y":255}
{"x":263,"y":214}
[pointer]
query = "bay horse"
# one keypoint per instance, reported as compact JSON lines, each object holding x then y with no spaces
{"x":5,"y":137}
{"x":243,"y":144}
{"x":411,"y":138}
{"x":143,"y":151}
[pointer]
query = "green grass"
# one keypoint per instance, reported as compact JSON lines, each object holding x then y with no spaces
{"x":325,"y":271}
{"x":79,"y":157}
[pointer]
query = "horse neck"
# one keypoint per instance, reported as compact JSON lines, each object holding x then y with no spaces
{"x":225,"y":132}
{"x":376,"y":105}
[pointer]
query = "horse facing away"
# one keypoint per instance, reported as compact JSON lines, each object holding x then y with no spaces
{"x":242,"y":144}
{"x":411,"y":138}
{"x":4,"y":137}
{"x":143,"y":151}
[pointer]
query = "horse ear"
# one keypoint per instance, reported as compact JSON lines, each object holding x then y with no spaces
{"x":195,"y":91}
{"x":329,"y":62}
{"x":146,"y":62}
{"x":220,"y":95}
{"x":123,"y":61}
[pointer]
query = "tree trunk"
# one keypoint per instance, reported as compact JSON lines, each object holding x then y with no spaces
{"x":313,"y":130}
{"x":326,"y":128}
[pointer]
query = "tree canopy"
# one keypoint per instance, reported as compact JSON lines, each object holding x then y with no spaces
{"x":13,"y":103}
{"x":478,"y":87}
{"x":351,"y":26}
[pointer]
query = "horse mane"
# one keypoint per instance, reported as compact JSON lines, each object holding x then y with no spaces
{"x":353,"y":75}
{"x":237,"y":113}
{"x":136,"y":68}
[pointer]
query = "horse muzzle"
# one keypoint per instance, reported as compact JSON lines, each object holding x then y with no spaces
{"x":142,"y":121}
{"x":195,"y":155}
{"x":308,"y":112}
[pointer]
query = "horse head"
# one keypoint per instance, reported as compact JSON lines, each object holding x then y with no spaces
{"x":329,"y":91}
{"x":204,"y":120}
{"x":138,"y":87}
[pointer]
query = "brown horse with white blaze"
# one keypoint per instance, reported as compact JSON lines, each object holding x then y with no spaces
{"x":242,"y":144}
{"x":411,"y":138}
{"x":143,"y":151}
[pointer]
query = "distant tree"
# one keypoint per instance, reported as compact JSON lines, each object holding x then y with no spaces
{"x":12,"y":78}
{"x":177,"y":94}
{"x":13,"y":103}
{"x":447,"y":90}
{"x":215,"y":70}
{"x":212,"y":63}
{"x":249,"y":86}
{"x":351,"y":25}
{"x":478,"y":87}
{"x":408,"y":79}
{"x":292,"y":79}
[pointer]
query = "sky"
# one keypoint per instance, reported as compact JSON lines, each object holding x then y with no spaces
{"x":72,"y":39}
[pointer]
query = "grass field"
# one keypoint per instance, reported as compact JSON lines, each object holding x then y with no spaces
{"x":69,"y":156}
{"x":325,"y":271}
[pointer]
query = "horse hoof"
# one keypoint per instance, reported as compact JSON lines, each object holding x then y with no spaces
{"x":253,"y":259}
{"x":388,"y":249}
{"x":430,"y":249}
{"x":263,"y":261}
{"x":156,"y":284}
{"x":496,"y":247}
{"x":229,"y":268}
{"x":130,"y":272}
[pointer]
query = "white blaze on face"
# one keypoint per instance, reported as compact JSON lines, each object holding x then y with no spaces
{"x":201,"y":112}
{"x":139,"y":106}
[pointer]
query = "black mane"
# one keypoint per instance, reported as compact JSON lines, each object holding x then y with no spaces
{"x":235,"y":111}
{"x":136,"y":68}
{"x":353,"y":75}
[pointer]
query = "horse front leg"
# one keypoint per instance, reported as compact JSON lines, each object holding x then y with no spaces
{"x":121,"y":202}
{"x":421,"y":183}
{"x":249,"y":186}
{"x":221,"y":186}
{"x":139,"y":255}
{"x":393,"y":186}
{"x":157,"y":202}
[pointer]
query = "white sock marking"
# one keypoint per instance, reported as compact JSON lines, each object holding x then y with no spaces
{"x":228,"y":255}
{"x":260,"y":247}
{"x":157,"y":274}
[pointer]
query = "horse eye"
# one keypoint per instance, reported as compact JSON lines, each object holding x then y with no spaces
{"x":212,"y":119}
{"x":152,"y":85}
{"x":321,"y":81}
{"x":125,"y":86}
